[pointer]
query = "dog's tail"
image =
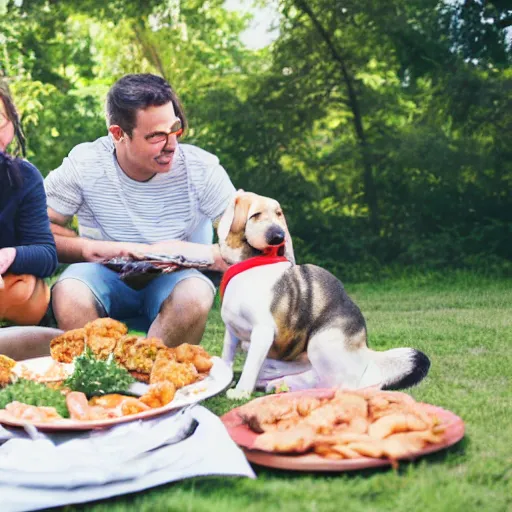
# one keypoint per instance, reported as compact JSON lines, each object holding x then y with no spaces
{"x":401,"y":367}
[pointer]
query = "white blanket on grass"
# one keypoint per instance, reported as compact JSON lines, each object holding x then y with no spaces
{"x":60,"y":469}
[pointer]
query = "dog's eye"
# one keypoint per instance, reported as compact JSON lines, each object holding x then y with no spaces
{"x":279,"y":213}
{"x":255,"y":216}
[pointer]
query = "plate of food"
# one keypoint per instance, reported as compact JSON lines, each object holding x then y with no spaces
{"x":100,"y":376}
{"x":337,"y":430}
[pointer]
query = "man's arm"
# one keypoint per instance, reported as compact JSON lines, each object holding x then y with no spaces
{"x":74,"y":249}
{"x":193,"y":251}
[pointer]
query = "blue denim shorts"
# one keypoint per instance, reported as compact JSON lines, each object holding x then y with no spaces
{"x":137,"y":308}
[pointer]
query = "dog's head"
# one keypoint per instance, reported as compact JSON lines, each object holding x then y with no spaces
{"x":253,"y":225}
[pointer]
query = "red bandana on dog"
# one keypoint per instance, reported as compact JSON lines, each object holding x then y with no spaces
{"x":268,"y":258}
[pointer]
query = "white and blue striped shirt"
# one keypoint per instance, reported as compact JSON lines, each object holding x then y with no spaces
{"x":178,"y":205}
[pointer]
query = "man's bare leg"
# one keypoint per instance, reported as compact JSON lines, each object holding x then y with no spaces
{"x":183,"y":315}
{"x":73,"y":304}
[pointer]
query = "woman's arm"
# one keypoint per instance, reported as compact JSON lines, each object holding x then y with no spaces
{"x":36,"y":253}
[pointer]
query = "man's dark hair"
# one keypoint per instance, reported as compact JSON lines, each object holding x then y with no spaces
{"x":138,"y":92}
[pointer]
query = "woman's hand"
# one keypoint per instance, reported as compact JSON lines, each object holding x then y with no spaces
{"x":7,"y":256}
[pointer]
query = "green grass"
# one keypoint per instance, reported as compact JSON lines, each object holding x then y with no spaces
{"x":464,"y":323}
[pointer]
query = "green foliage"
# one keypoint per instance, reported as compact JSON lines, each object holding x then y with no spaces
{"x":96,"y":377}
{"x":34,"y":393}
{"x":383,"y":128}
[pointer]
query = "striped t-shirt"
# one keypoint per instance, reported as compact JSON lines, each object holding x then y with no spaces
{"x":178,"y":205}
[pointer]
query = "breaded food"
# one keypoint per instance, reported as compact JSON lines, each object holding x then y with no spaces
{"x":106,"y":328}
{"x":350,"y":425}
{"x":123,"y":346}
{"x":5,"y":377}
{"x":139,"y":376}
{"x":6,"y":366}
{"x":186,"y":353}
{"x":165,"y":370}
{"x":142,"y":354}
{"x":159,"y":394}
{"x":7,"y":362}
{"x":67,"y":346}
{"x":103,"y":334}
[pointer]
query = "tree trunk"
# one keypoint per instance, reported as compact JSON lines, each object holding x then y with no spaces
{"x":370,"y":192}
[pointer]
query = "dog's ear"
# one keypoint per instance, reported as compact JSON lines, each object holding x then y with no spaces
{"x":288,"y":245}
{"x":242,"y":205}
{"x":230,"y":216}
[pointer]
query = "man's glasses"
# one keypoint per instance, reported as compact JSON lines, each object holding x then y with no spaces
{"x":159,"y":137}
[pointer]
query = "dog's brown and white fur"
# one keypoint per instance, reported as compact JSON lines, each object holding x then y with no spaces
{"x":301,"y":327}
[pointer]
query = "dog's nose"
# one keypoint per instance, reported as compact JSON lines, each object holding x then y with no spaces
{"x":275,"y":236}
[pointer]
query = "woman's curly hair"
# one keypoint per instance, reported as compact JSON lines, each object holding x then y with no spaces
{"x":10,"y":173}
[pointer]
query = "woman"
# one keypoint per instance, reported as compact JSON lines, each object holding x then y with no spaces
{"x":27,"y":248}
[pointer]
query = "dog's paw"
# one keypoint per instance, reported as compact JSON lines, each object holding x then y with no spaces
{"x":237,"y":394}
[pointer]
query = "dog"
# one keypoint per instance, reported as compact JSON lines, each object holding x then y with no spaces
{"x":299,"y":326}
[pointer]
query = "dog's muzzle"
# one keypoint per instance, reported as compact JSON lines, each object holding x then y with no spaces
{"x":275,"y":235}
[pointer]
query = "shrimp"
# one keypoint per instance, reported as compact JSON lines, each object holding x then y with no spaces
{"x":79,"y":408}
{"x":32,"y":412}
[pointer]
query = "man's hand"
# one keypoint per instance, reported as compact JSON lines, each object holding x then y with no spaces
{"x":219,"y":263}
{"x":7,"y":255}
{"x":98,"y":250}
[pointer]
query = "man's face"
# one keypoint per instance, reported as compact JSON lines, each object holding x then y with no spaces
{"x":141,"y":152}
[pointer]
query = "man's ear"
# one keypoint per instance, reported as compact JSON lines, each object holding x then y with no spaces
{"x":116,"y":132}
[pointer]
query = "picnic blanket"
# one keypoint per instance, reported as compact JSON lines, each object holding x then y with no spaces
{"x":46,"y":470}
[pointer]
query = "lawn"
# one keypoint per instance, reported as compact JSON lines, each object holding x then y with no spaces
{"x":464,"y":323}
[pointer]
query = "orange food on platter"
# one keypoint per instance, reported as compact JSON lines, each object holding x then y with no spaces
{"x":348,"y":425}
{"x":67,"y":346}
{"x":167,"y":370}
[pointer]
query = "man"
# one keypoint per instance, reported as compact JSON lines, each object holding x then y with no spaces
{"x":138,"y":190}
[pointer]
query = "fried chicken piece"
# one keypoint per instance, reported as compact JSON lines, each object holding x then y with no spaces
{"x":106,"y":327}
{"x":350,"y":405}
{"x":159,"y":394}
{"x":67,"y":346}
{"x":180,"y":374}
{"x":5,"y":377}
{"x":6,"y":366}
{"x":395,"y":423}
{"x":278,"y":414}
{"x":103,"y":334}
{"x":195,"y":354}
{"x":123,"y":347}
{"x":298,"y":440}
{"x":7,"y":362}
{"x":142,"y":354}
{"x":139,"y":376}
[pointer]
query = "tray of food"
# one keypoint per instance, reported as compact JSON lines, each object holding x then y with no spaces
{"x":100,"y":376}
{"x":337,"y":430}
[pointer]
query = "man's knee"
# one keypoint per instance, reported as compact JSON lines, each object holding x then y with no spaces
{"x":70,"y":293}
{"x":191,"y":298}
